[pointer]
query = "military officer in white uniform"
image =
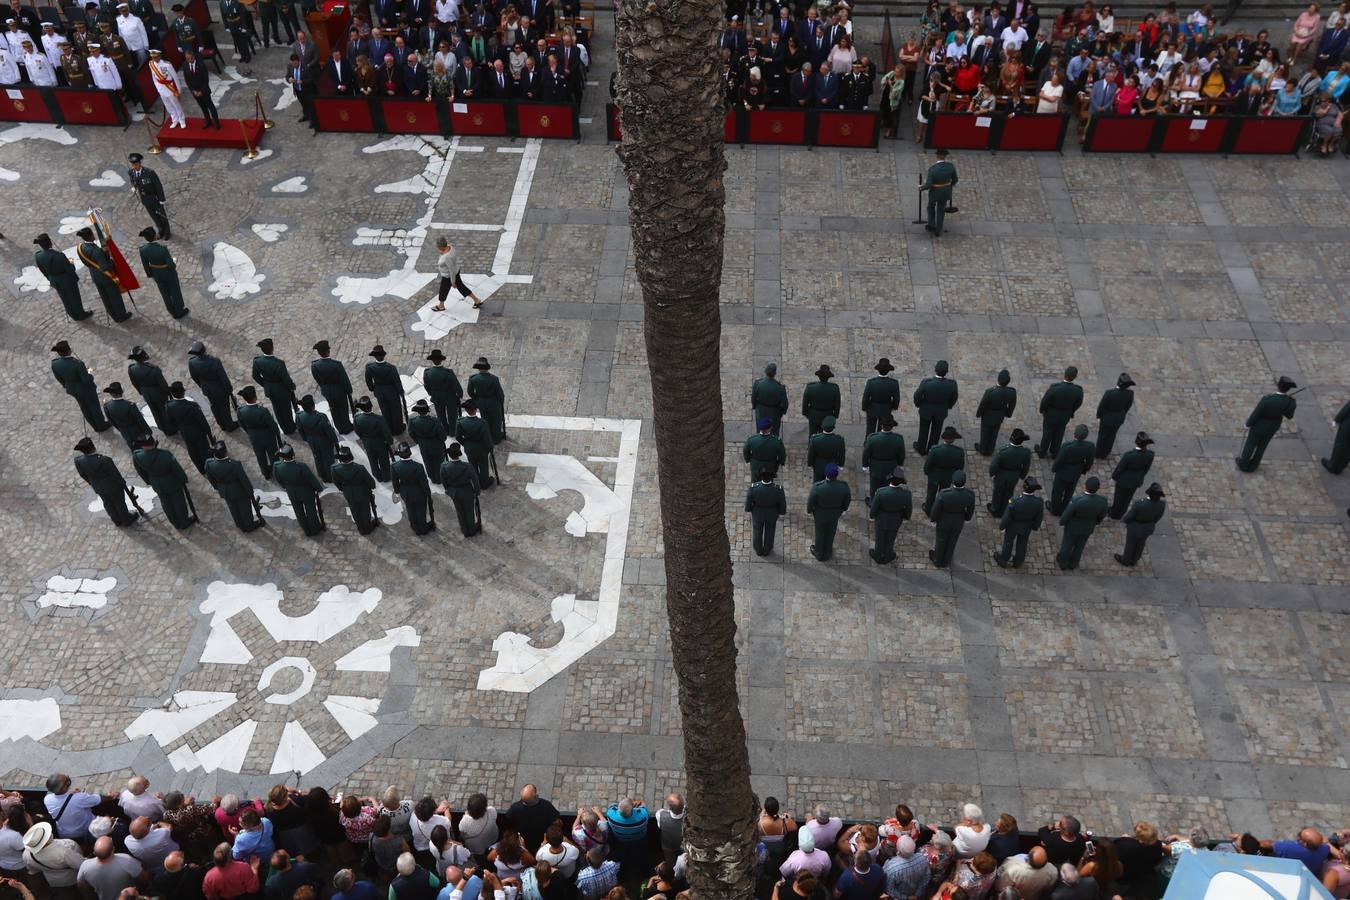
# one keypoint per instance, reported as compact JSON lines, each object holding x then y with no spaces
{"x":165,"y":77}
{"x":9,"y":66}
{"x":51,"y":45}
{"x":132,"y":30}
{"x":40,"y":71}
{"x":103,"y":70}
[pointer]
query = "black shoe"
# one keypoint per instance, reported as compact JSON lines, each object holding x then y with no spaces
{"x":1241,"y":467}
{"x":81,"y":318}
{"x":182,"y":314}
{"x":106,"y":426}
{"x":304,"y":118}
{"x":1001,"y":563}
{"x":990,"y":507}
{"x":1062,"y":567}
{"x":123,"y":319}
{"x":873,"y":554}
{"x":1120,"y":559}
{"x":1326,"y":464}
{"x":763,"y":552}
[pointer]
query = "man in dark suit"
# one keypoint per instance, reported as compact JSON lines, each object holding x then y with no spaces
{"x":418,"y":12}
{"x":357,"y":45}
{"x":1036,"y":55}
{"x":806,"y":28}
{"x":400,"y":51}
{"x":555,"y":88}
{"x":302,"y":83}
{"x":994,"y":21}
{"x":498,"y":83}
{"x":834,"y":32}
{"x":531,"y":84}
{"x":733,"y":39}
{"x":827,"y":87}
{"x":340,"y":74}
{"x":377,"y":46}
{"x":1331,"y":48}
{"x":198,"y":81}
{"x":783,"y":25}
{"x":415,"y":77}
{"x":309,"y":56}
{"x":802,"y":88}
{"x":540,"y":13}
{"x":468,"y":82}
{"x":818,"y":47}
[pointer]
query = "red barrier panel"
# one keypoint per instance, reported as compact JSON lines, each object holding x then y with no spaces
{"x":1193,"y":134}
{"x":1120,"y":134}
{"x":333,"y":114}
{"x":199,"y":13}
{"x":777,"y":126}
{"x":612,"y":118}
{"x":90,"y":107}
{"x":410,"y":117}
{"x":959,"y":131}
{"x":27,"y":107}
{"x":730,"y":130}
{"x":478,"y":118}
{"x":546,"y":120}
{"x":1265,"y":134}
{"x":1029,"y":131}
{"x":149,"y":94}
{"x":847,"y":129}
{"x":168,"y":45}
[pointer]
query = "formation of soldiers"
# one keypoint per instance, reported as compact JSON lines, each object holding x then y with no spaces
{"x":454,"y":433}
{"x":948,"y":502}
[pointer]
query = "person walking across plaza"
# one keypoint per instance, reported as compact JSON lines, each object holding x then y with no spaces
{"x":940,"y":180}
{"x":447,"y":266}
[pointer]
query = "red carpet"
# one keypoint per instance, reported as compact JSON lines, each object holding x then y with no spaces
{"x":231,"y":134}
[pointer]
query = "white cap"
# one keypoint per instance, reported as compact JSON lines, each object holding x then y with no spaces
{"x":93,"y":46}
{"x":48,"y":25}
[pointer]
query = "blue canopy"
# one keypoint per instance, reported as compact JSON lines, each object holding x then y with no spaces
{"x":1205,"y":875}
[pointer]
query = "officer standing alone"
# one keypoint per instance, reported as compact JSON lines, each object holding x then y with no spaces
{"x":941,"y":178}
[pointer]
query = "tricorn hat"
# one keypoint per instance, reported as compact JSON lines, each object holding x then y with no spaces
{"x":265,"y":345}
{"x":1124,"y":380}
{"x":436,"y":355}
{"x":147,"y":234}
{"x":321,"y":347}
{"x":884,"y":365}
{"x":362,"y":403}
{"x":138,"y":353}
{"x":403,"y":450}
{"x":43,"y":240}
{"x":115,"y":388}
{"x":377,"y":351}
{"x":1143,"y":440}
{"x":221,"y":449}
{"x":248,"y":392}
{"x":344,"y":452}
{"x":950,"y":433}
{"x":1285,"y":383}
{"x":482,"y":364}
{"x":86,"y":233}
{"x":421,"y":406}
{"x":824,"y":372}
{"x":61,"y":346}
{"x":85,"y":445}
{"x":1018,"y":436}
{"x":1155,"y":490}
{"x":887,"y":421}
{"x":1031,"y":485}
{"x":177,"y":389}
{"x":1004,"y":377}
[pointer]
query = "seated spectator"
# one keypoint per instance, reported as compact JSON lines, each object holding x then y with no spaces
{"x":861,"y":881}
{"x":967,"y":77}
{"x":598,"y":877}
{"x":1032,"y":874}
{"x":558,"y":852}
{"x":478,"y":826}
{"x":193,"y":825}
{"x":150,"y":844}
{"x":1309,"y":848}
{"x":1005,"y":841}
{"x":106,"y":874}
{"x":806,"y":858}
{"x":347,"y":887}
{"x":71,"y":810}
{"x":907,"y":873}
{"x":972,"y":834}
{"x":1328,"y":124}
{"x":1073,"y":886}
{"x":1336,"y":82}
{"x":179,"y":879}
{"x":255,"y":836}
{"x":413,"y":881}
{"x":136,"y":800}
{"x":1063,"y":841}
{"x":229,"y":877}
{"x":57,"y":860}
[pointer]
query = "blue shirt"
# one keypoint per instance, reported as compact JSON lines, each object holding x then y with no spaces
{"x":1334,"y":84}
{"x":632,"y":828}
{"x":593,"y":883}
{"x":854,"y":885}
{"x":79,"y":812}
{"x":255,"y":843}
{"x":471,"y":889}
{"x":1313,"y":859}
{"x":906,"y":877}
{"x":362,"y":890}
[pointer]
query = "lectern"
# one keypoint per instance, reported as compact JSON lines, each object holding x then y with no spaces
{"x":329,"y":27}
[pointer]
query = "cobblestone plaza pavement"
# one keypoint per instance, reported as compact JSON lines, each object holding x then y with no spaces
{"x":1206,"y":686}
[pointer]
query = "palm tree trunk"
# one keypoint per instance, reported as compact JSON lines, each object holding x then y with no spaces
{"x":672,"y":117}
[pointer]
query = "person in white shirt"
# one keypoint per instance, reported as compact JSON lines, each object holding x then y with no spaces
{"x":957,"y":48}
{"x":823,"y":827}
{"x":426,"y":816}
{"x":14,"y":37}
{"x":132,"y":30}
{"x":165,"y":77}
{"x":1166,"y":60}
{"x":103,"y":70}
{"x":12,"y":845}
{"x":136,"y":800}
{"x":972,"y":835}
{"x":478,"y":825}
{"x":1013,"y":37}
{"x":9,"y":68}
{"x":51,"y":44}
{"x":447,"y":11}
{"x":150,"y":844}
{"x":57,"y":860}
{"x":40,"y":71}
{"x":71,"y":810}
{"x":559,"y":852}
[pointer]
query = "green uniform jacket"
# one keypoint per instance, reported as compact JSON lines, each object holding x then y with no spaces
{"x":383,"y":377}
{"x":209,"y":374}
{"x":148,"y":379}
{"x":942,"y":462}
{"x":1133,"y":468}
{"x":271,"y":374}
{"x":769,"y":398}
{"x":259,"y":425}
{"x":1060,"y":401}
{"x":355,"y":482}
{"x":57,"y":268}
{"x":230,"y":479}
{"x":1024,"y":515}
{"x":472,"y":432}
{"x":1143,"y":516}
{"x":820,"y":399}
{"x":891,"y":506}
{"x":160,"y":470}
{"x":331,"y":377}
{"x":997,"y":403}
{"x":317,"y":431}
{"x":442,"y":386}
{"x":1074,"y":459}
{"x":486,"y":389}
{"x":147,"y":183}
{"x":185,"y":30}
{"x":126,"y":417}
{"x":1270,"y":412}
{"x":1010,"y":464}
{"x":935,"y":396}
{"x":72,"y":375}
{"x":763,"y":450}
{"x":458,"y":478}
{"x":410,"y":479}
{"x":941,"y":175}
{"x":374,"y":432}
{"x":429,"y":435}
{"x":158,"y":263}
{"x":188,"y":417}
{"x":101,"y":473}
{"x":828,"y":500}
{"x":882,"y":452}
{"x":954,"y":507}
{"x":99,"y":264}
{"x":824,"y":448}
{"x":881,"y":395}
{"x":766,"y":499}
{"x":1114,"y":406}
{"x":299,"y":480}
{"x":1083,"y":514}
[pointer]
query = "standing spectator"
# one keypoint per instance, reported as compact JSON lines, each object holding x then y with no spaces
{"x":628,"y":825}
{"x":598,"y":877}
{"x":589,"y":830}
{"x":288,"y":876}
{"x":357,"y":818}
{"x":346,"y":887}
{"x":150,"y":844}
{"x":1031,"y":874}
{"x":941,"y":853}
{"x":532,"y":814}
{"x":449,"y":852}
{"x":1073,"y":886}
{"x":509,"y":856}
{"x":824,"y":827}
{"x":907,"y":873}
{"x":1139,"y":857}
{"x":1004,"y":842}
{"x":1049,"y":97}
{"x":193,"y":825}
{"x":478,"y":826}
{"x":179,"y":879}
{"x":71,"y":811}
{"x":385,"y":847}
{"x":1309,"y":849}
{"x":670,"y":824}
{"x":399,"y":812}
{"x":972,"y":834}
{"x":560,"y":853}
{"x":861,"y":881}
{"x":323,"y":820}
{"x":1103,"y":866}
{"x":804,"y":887}
{"x":229,"y":812}
{"x":427,"y":815}
{"x":773,"y":830}
{"x":255,"y":836}
{"x":1063,"y":841}
{"x":12,"y":846}
{"x":136,"y":800}
{"x":229,"y":877}
{"x":806,"y":858}
{"x":974,"y":876}
{"x":57,"y":859}
{"x":107,"y":874}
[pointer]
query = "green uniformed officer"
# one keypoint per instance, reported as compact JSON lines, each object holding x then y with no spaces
{"x":1130,"y":472}
{"x":769,"y":399}
{"x":190,"y":422}
{"x":166,"y":477}
{"x":1111,"y":411}
{"x":825,"y":448}
{"x":302,"y":486}
{"x":820,"y":399}
{"x":209,"y":374}
{"x":331,"y":377}
{"x":149,"y":190}
{"x":1010,"y":465}
{"x":765,"y":501}
{"x":60,"y":273}
{"x":124,"y":415}
{"x":372,"y":429}
{"x":443,"y":388}
{"x":460,"y":481}
{"x":318,"y":432}
{"x":996,"y":405}
{"x":148,"y":380}
{"x":826,"y":504}
{"x":107,"y":11}
{"x":1058,"y":404}
{"x":358,"y":488}
{"x":430,"y":435}
{"x":103,"y":274}
{"x":1265,"y":421}
{"x":102,"y":475}
{"x":270,"y":372}
{"x":951,"y":510}
{"x":941,"y":463}
{"x":883,"y":452}
{"x":262,"y":431}
{"x":1340,"y":448}
{"x":764,"y":450}
{"x":1079,"y":519}
{"x":485,"y":389}
{"x":475,"y":437}
{"x":892,"y":505}
{"x":232,"y":483}
{"x":385,"y":382}
{"x":939,"y":182}
{"x":232,"y":13}
{"x":411,"y":486}
{"x":159,"y":264}
{"x":934,"y":398}
{"x":1140,"y":521}
{"x":1072,"y":462}
{"x":1020,"y":518}
{"x":184,"y":29}
{"x":881,"y":394}
{"x":78,"y":382}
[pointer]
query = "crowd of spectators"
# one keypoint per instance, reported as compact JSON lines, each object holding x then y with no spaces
{"x":301,"y":846}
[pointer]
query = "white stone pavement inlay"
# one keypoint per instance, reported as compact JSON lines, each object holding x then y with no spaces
{"x":76,"y":593}
{"x":270,"y":233}
{"x":110,"y":178}
{"x":234,"y":272}
{"x":29,"y":718}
